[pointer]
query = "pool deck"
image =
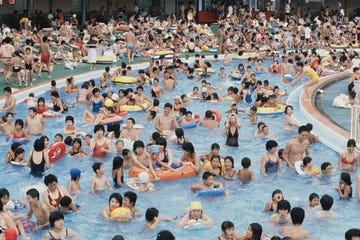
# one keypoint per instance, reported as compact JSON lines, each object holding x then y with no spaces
{"x":329,"y":133}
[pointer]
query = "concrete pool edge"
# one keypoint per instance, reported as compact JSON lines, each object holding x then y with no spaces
{"x":329,"y":133}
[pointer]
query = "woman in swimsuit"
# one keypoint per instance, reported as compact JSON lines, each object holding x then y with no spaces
{"x":232,"y":127}
{"x":344,"y":189}
{"x":155,"y":90}
{"x":76,"y":149}
{"x":58,"y":231}
{"x":288,"y":123}
{"x":271,"y":206}
{"x":100,"y":145}
{"x":54,"y":192}
{"x":190,"y":156}
{"x":96,"y":101}
{"x":38,"y":160}
{"x":349,"y":158}
{"x":270,"y":162}
{"x":118,"y":171}
{"x":57,"y":103}
{"x":165,"y":154}
{"x":228,"y":171}
{"x":6,"y":221}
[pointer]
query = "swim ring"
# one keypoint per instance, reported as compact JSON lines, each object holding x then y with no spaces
{"x":209,"y":70}
{"x":271,"y":110}
{"x":164,"y":52}
{"x":246,"y":56}
{"x":22,"y":141}
{"x":56,"y":151}
{"x":274,"y":69}
{"x":114,"y":119}
{"x":217,"y":115}
{"x":135,"y":108}
{"x":299,"y":169}
{"x":287,"y":78}
{"x":235,"y":76}
{"x":124,"y":80}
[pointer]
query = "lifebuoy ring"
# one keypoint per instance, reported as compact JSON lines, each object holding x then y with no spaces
{"x":274,"y":69}
{"x":217,"y":115}
{"x":56,"y":151}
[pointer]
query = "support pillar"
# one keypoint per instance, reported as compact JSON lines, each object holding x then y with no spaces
{"x":29,"y":7}
{"x":83,"y":12}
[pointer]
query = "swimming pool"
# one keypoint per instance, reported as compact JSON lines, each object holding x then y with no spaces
{"x":245,"y":202}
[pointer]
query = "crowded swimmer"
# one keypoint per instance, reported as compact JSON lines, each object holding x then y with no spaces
{"x":181,"y":131}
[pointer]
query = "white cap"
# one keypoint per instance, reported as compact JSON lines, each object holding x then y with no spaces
{"x":144,"y":177}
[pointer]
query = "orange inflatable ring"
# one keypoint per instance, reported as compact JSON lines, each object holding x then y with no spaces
{"x":123,"y":29}
{"x":70,"y":90}
{"x":217,"y":115}
{"x":274,"y":69}
{"x":56,"y":151}
{"x":166,"y":175}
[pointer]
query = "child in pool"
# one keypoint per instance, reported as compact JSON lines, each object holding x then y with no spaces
{"x":19,"y":132}
{"x":128,"y":158}
{"x":313,"y":200}
{"x":119,"y":147}
{"x":65,"y":205}
{"x":222,"y":72}
{"x":195,"y":217}
{"x":252,"y":115}
{"x":180,"y":138}
{"x":115,"y":201}
{"x":10,"y":154}
{"x":99,"y":181}
{"x":76,"y":148}
{"x":215,"y":150}
{"x":282,"y":215}
{"x":213,"y":166}
{"x":70,"y":85}
{"x":19,"y":156}
{"x":144,"y":183}
{"x":87,"y":140}
{"x":188,"y":119}
{"x":41,"y":107}
{"x":208,"y":183}
{"x":308,"y":169}
{"x":69,"y":129}
{"x":74,"y":184}
{"x":130,"y":201}
{"x":271,"y":206}
{"x":228,"y":171}
{"x":245,"y":175}
{"x":195,"y":93}
{"x":153,"y":218}
{"x":344,"y":189}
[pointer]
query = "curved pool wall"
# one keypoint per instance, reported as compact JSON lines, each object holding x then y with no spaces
{"x":329,"y":133}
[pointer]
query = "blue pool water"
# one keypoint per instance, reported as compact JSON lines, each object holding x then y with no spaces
{"x":244,"y":203}
{"x":342,"y":116}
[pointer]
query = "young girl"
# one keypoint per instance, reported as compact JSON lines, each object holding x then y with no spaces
{"x":177,"y":105}
{"x":118,"y":171}
{"x":74,"y":184}
{"x":76,"y":148}
{"x":19,"y":133}
{"x":344,"y":189}
{"x":115,"y":201}
{"x":69,"y":129}
{"x":19,"y":156}
{"x":10,"y":154}
{"x":70,"y":85}
{"x":41,"y":107}
{"x":58,"y":230}
{"x":214,"y":166}
{"x":228,"y":171}
{"x":313,"y":200}
{"x":271,"y":206}
{"x":180,"y":138}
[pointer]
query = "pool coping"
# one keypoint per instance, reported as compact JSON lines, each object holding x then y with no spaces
{"x":329,"y":133}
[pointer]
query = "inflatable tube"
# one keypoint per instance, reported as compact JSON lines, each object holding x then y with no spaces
{"x":165,"y":52}
{"x":287,"y":78}
{"x":135,"y":108}
{"x":299,"y":169}
{"x":122,"y":29}
{"x":270,"y":110}
{"x":22,"y":141}
{"x":207,"y":166}
{"x":189,"y":95}
{"x":235,"y":76}
{"x":122,"y":210}
{"x":56,"y":151}
{"x":209,"y":70}
{"x":190,"y":125}
{"x":213,"y":50}
{"x":134,"y":184}
{"x":122,"y":113}
{"x":17,"y":163}
{"x":274,"y":69}
{"x":217,"y":115}
{"x":100,"y":60}
{"x":341,"y":101}
{"x":211,"y":192}
{"x":194,"y":224}
{"x":182,"y":172}
{"x":124,"y":80}
{"x":70,"y":90}
{"x":29,"y":226}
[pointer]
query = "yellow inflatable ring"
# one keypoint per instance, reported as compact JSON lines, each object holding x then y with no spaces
{"x":235,"y":76}
{"x":207,"y":165}
{"x":124,"y":80}
{"x":164,"y":52}
{"x":209,"y":70}
{"x":121,"y":210}
{"x":270,"y":110}
{"x":135,"y":108}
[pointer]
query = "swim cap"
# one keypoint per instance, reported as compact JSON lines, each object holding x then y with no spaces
{"x":144,"y":177}
{"x":154,"y":149}
{"x":10,"y":234}
{"x":109,"y":103}
{"x":75,"y":173}
{"x":195,"y":205}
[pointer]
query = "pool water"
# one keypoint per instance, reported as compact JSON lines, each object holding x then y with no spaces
{"x":245,"y":201}
{"x":342,"y":116}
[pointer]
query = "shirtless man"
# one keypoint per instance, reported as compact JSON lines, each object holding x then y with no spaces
{"x":326,"y":203}
{"x":130,"y":44}
{"x":222,"y":38}
{"x":130,"y":132}
{"x":45,"y":53}
{"x":140,"y":98}
{"x":295,"y":148}
{"x":10,"y":101}
{"x":34,"y":123}
{"x":209,"y":122}
{"x":166,"y":121}
{"x":6,"y":52}
{"x":296,"y":231}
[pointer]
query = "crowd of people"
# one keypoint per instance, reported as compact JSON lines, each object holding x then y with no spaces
{"x":292,"y":46}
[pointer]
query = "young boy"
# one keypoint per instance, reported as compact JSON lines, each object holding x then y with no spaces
{"x":308,"y":169}
{"x":99,"y":181}
{"x":129,"y":202}
{"x":208,"y":182}
{"x":65,"y":205}
{"x":128,"y":158}
{"x":326,"y":203}
{"x":282,"y":213}
{"x":153,"y":218}
{"x":313,"y":200}
{"x":295,"y":231}
{"x":69,"y":129}
{"x":245,"y":175}
{"x":74,"y":184}
{"x":215,"y":150}
{"x":39,"y":209}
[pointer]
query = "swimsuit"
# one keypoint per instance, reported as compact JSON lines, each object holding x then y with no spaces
{"x":37,"y":170}
{"x":40,"y":110}
{"x":45,"y":59}
{"x":130,"y":45}
{"x":54,"y":202}
{"x":232,"y":139}
{"x":96,"y":106}
{"x":271,"y":166}
{"x":97,"y":150}
{"x":344,"y":160}
{"x":115,"y":177}
{"x":22,"y":135}
{"x":56,"y":107}
{"x":311,"y":73}
{"x":53,"y":238}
